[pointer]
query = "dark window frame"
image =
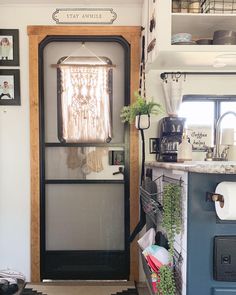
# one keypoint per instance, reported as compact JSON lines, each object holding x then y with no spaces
{"x":216,"y":99}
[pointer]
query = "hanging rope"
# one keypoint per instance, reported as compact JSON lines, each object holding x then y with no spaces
{"x":142,"y":82}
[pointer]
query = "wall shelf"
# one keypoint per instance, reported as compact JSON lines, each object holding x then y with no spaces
{"x":189,"y":57}
{"x":202,"y":25}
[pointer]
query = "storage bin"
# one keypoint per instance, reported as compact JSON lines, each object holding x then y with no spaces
{"x":186,"y":6}
{"x":218,"y":6}
{"x":194,"y":7}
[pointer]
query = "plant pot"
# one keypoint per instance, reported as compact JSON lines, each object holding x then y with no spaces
{"x":142,"y":121}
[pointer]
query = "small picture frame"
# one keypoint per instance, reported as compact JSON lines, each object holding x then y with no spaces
{"x":116,"y":158}
{"x":154,"y":145}
{"x":9,"y":87}
{"x":9,"y":47}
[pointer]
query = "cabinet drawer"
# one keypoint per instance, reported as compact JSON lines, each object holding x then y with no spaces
{"x":224,"y":291}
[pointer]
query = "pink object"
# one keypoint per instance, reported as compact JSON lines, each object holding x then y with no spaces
{"x":153,"y":263}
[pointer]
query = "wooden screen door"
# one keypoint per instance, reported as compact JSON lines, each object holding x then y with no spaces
{"x":37,"y":36}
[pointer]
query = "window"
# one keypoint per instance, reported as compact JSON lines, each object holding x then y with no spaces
{"x":202,"y":110}
{"x":84,"y":100}
{"x":225,"y":107}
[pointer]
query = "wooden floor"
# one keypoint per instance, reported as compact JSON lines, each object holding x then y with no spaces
{"x":142,"y":289}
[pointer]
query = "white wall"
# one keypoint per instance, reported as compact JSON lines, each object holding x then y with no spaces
{"x":14,"y":134}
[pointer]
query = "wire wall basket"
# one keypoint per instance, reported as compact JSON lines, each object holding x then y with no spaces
{"x":178,"y":261}
{"x":152,"y":205}
{"x":186,"y":6}
{"x":218,"y":6}
{"x":204,"y":6}
{"x":152,"y":202}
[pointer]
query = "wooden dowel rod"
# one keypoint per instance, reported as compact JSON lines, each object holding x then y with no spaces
{"x":82,"y":65}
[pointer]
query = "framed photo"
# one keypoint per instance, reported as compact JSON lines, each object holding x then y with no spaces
{"x":116,"y":158}
{"x":9,"y":47}
{"x":154,"y":145}
{"x":9,"y":87}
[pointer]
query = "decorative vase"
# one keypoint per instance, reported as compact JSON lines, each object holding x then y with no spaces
{"x":142,"y":121}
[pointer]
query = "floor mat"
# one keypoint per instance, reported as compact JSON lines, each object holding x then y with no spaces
{"x":72,"y":288}
{"x":127,"y":292}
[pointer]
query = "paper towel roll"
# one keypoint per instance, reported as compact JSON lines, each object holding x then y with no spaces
{"x":228,"y":209}
{"x":227,"y":137}
{"x":232,"y":153}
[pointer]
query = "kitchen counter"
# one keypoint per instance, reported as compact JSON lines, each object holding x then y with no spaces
{"x":219,"y":167}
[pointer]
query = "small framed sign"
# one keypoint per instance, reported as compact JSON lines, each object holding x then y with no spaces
{"x":9,"y":47}
{"x":200,"y":137}
{"x":84,"y":16}
{"x":9,"y":87}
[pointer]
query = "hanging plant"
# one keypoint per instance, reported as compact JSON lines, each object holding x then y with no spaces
{"x":172,"y":217}
{"x":166,"y":281}
{"x":141,"y":106}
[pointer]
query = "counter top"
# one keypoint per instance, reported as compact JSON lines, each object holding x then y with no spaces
{"x":219,"y":167}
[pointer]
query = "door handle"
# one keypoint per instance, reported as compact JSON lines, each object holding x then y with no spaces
{"x":120,"y":171}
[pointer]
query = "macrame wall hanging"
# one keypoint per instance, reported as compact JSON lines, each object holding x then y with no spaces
{"x":85,"y":104}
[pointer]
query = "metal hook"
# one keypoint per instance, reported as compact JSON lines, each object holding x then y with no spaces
{"x":177,"y":76}
{"x":164,"y":77}
{"x":214,"y":197}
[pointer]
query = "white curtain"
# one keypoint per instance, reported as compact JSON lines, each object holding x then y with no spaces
{"x":85,"y":105}
{"x":173,"y":93}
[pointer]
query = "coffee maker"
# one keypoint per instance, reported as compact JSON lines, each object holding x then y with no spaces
{"x":170,"y":134}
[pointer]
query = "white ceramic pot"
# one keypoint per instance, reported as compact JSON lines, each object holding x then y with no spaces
{"x":142,"y":121}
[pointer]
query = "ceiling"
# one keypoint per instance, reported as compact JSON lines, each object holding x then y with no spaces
{"x":78,"y":2}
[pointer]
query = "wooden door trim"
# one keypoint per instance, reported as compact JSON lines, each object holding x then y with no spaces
{"x":36,"y":35}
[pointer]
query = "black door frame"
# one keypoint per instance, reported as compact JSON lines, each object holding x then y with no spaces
{"x":49,"y":258}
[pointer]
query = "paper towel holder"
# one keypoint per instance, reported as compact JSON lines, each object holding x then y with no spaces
{"x":214,"y":197}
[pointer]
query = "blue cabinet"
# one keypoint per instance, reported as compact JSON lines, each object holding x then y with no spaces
{"x":224,"y":291}
{"x":203,"y":225}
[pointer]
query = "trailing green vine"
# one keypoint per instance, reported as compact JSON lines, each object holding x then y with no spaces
{"x":172,"y":218}
{"x":172,"y":221}
{"x":166,"y":282}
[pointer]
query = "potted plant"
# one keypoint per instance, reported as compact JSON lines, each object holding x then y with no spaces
{"x":140,"y":111}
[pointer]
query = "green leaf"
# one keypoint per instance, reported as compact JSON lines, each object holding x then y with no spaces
{"x":141,"y":106}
